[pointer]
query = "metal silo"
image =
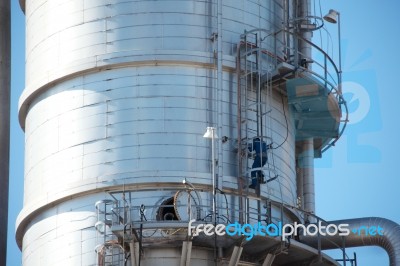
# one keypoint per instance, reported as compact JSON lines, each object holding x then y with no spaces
{"x":118,"y":97}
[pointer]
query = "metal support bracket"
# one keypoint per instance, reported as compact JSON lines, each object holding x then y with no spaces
{"x":186,"y":253}
{"x":235,"y":257}
{"x":134,"y":248}
{"x":269,"y":259}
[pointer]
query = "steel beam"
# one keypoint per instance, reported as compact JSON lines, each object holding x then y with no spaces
{"x":269,"y":260}
{"x":235,"y":257}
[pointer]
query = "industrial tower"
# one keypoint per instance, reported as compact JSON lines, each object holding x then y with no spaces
{"x":146,"y":117}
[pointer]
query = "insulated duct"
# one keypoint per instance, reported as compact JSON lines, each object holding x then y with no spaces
{"x":359,"y":236}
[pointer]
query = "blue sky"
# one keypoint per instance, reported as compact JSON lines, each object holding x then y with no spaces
{"x":359,"y":176}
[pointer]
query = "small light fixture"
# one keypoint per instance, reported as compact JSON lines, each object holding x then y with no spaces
{"x":331,"y":17}
{"x":210,"y":132}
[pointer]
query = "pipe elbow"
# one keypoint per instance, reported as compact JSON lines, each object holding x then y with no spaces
{"x":368,"y":231}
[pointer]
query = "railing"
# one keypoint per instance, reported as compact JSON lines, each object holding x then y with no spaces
{"x":144,"y":224}
{"x":283,"y":48}
{"x":183,"y":206}
{"x":180,"y":212}
{"x":322,"y":67}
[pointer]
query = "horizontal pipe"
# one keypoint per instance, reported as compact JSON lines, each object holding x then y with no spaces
{"x":360,"y":236}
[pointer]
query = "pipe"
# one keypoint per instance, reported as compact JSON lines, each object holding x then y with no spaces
{"x":5,"y":83}
{"x":389,"y":240}
{"x":299,"y":183}
{"x":340,"y":57}
{"x":304,"y":8}
{"x":239,"y":134}
{"x":200,"y":203}
{"x":306,"y":160}
{"x":220,"y":100}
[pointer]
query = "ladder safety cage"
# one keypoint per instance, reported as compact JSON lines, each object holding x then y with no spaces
{"x":257,"y":59}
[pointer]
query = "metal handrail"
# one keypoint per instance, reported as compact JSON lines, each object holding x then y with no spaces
{"x":330,"y":75}
{"x":128,"y":212}
{"x":327,"y":77}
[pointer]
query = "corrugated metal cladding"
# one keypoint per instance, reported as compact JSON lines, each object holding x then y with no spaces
{"x":121,"y":92}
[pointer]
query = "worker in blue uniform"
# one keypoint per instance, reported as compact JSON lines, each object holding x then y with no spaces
{"x":260,"y":159}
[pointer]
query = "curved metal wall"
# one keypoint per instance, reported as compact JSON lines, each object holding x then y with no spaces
{"x":121,"y":92}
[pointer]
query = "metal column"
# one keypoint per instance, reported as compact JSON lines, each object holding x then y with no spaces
{"x":307,"y":165}
{"x":5,"y":76}
{"x":304,"y":8}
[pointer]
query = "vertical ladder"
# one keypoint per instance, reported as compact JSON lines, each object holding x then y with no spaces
{"x":255,"y":63}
